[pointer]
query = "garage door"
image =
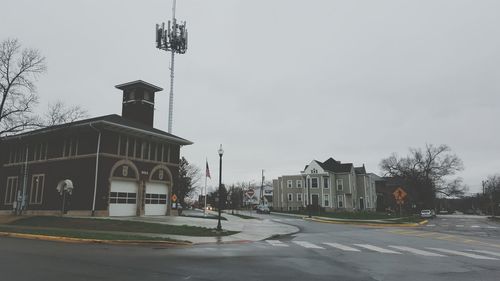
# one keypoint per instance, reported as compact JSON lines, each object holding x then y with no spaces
{"x":123,"y":198}
{"x":156,"y":199}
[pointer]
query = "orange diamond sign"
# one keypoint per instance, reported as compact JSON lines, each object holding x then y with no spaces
{"x":174,"y":197}
{"x":399,"y":194}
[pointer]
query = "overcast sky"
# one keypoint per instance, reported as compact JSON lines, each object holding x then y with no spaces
{"x":280,"y":83}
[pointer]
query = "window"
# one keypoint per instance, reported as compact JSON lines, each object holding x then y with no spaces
{"x":154,"y":151}
{"x":289,"y":184}
{"x":326,"y":199}
{"x":137,"y":148}
{"x":340,"y":201}
{"x":123,"y":146}
{"x":299,"y":183}
{"x":299,"y":197}
{"x":290,"y":197}
{"x":314,"y":182}
{"x":122,"y":198}
{"x":314,"y":171}
{"x":11,"y":190}
{"x":340,"y":184}
{"x":144,"y":150}
{"x":326,"y":182}
{"x":156,"y":198}
{"x":36,"y":193}
{"x":70,"y":147}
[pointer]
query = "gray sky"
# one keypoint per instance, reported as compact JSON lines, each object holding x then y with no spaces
{"x":280,"y":83}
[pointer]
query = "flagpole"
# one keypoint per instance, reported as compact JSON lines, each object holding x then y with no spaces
{"x":205,"y":208}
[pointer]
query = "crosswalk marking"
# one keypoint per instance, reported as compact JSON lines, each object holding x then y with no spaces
{"x":308,"y":245}
{"x":475,"y":226}
{"x":416,"y":251}
{"x":376,"y":249}
{"x":276,"y":243}
{"x":342,"y":247}
{"x":486,"y":252}
{"x":469,"y":255}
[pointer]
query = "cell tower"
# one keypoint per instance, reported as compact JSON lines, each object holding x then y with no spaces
{"x":172,"y":39}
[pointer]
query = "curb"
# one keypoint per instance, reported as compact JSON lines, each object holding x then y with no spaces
{"x":96,"y":241}
{"x":367,"y":223}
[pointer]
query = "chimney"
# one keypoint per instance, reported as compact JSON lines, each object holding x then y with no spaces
{"x":139,"y":101}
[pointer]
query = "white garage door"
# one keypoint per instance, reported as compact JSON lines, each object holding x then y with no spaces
{"x":156,"y":199}
{"x":123,"y":198}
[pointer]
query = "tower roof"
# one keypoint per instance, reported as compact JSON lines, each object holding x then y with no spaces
{"x":138,"y":84}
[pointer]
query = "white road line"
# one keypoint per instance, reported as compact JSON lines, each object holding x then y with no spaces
{"x":492,"y":227}
{"x":431,"y":225}
{"x":308,"y":245}
{"x":416,"y":251}
{"x":278,"y":220}
{"x":475,"y":226}
{"x":469,"y":255}
{"x":276,"y":243}
{"x":459,"y":225}
{"x":486,"y":252}
{"x":342,"y":247}
{"x":376,"y":249}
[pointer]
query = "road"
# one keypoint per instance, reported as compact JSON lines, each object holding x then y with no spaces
{"x":470,"y":225}
{"x":319,"y":252}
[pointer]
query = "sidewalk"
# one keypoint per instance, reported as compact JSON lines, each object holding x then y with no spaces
{"x":249,"y":229}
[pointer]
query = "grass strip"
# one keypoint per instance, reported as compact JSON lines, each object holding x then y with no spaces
{"x":83,"y":234}
{"x":90,"y":224}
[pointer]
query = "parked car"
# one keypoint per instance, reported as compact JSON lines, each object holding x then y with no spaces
{"x":263,"y":209}
{"x":427,"y":214}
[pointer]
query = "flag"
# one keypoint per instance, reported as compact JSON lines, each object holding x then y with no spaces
{"x":207,"y":172}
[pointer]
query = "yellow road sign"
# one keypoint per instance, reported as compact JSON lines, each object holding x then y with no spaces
{"x":399,"y":194}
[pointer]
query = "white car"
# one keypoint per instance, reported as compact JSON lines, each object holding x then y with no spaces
{"x":427,"y":214}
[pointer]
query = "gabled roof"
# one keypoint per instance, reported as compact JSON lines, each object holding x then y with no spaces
{"x":360,"y":170}
{"x":112,"y":122}
{"x":335,"y":166}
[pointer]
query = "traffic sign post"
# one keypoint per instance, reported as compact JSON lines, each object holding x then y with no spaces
{"x":400,"y":195}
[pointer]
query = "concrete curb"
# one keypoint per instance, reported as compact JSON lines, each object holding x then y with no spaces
{"x":96,"y":241}
{"x":323,"y":220}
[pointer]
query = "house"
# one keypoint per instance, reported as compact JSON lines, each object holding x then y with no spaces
{"x":331,"y":185}
{"x":117,"y":165}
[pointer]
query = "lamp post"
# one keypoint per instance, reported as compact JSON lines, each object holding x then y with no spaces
{"x":309,"y":205}
{"x":221,"y":152}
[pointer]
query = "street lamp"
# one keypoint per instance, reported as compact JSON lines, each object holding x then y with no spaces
{"x":309,"y":205}
{"x":221,"y":152}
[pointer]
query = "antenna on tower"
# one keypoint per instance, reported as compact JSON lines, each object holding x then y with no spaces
{"x":172,"y":39}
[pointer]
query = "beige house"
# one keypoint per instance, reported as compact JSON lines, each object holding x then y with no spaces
{"x":331,"y":185}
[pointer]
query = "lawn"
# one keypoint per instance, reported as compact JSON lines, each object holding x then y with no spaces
{"x":71,"y":233}
{"x":90,"y":224}
{"x":358,"y":216}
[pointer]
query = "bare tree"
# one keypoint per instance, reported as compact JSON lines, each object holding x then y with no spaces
{"x":188,"y":179}
{"x":427,"y":170}
{"x":59,"y":113}
{"x":18,"y":72}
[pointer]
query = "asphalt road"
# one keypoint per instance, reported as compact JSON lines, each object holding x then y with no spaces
{"x":319,"y":252}
{"x":470,"y":225}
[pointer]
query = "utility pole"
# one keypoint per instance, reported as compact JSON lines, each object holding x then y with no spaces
{"x":262,"y":190}
{"x":172,"y":39}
